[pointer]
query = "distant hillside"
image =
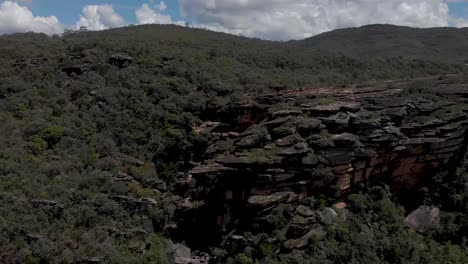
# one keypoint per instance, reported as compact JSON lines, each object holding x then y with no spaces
{"x":217,"y":62}
{"x":447,"y":44}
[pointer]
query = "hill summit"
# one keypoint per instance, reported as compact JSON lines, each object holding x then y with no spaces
{"x":371,"y":41}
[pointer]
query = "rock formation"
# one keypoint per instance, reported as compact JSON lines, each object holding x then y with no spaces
{"x":423,"y":218}
{"x":325,"y":141}
{"x":120,"y":60}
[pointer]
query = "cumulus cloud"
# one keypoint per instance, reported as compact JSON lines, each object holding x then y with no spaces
{"x":16,"y":18}
{"x":147,"y":15}
{"x":285,"y":19}
{"x":268,"y":19}
{"x":459,"y":22}
{"x":99,"y":17}
{"x":162,"y":6}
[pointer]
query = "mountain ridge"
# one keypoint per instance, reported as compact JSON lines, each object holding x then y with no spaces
{"x":381,"y":40}
{"x":365,"y":42}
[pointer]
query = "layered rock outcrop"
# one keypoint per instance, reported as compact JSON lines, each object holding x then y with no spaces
{"x":327,"y":141}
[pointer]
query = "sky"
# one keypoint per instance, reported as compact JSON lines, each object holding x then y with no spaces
{"x":266,"y":19}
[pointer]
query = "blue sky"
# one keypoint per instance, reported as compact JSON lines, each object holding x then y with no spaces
{"x":68,"y":11}
{"x":459,"y":9}
{"x":267,"y":19}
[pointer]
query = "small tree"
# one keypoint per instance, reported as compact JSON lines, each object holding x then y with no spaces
{"x":53,"y":134}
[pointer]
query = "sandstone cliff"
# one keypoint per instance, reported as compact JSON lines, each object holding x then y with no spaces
{"x":281,"y":148}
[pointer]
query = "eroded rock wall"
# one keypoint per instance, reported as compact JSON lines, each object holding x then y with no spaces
{"x":330,"y":141}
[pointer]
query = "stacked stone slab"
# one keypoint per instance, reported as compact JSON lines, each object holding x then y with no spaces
{"x":337,"y":141}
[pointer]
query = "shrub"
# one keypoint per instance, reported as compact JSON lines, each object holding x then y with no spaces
{"x":53,"y":134}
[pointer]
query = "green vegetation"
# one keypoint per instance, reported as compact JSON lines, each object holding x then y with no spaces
{"x":67,"y":115}
{"x":374,"y":232}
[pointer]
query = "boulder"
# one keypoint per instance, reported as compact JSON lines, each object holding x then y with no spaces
{"x":351,"y":107}
{"x":206,"y":127}
{"x":250,"y":159}
{"x":130,"y":203}
{"x":149,"y":201}
{"x":334,"y":107}
{"x":315,"y":234}
{"x":338,"y":122}
{"x":237,"y":243}
{"x":321,"y":143}
{"x":128,"y":159}
{"x":308,"y":126}
{"x":262,"y":202}
{"x":220,"y":147}
{"x":283,"y":113}
{"x":342,"y":119}
{"x":251,"y":141}
{"x":288,"y":141}
{"x":340,"y":205}
{"x":310,"y":160}
{"x":44,"y":203}
{"x":120,"y":60}
{"x":209,"y":169}
{"x":366,"y":120}
{"x":297,"y":150}
{"x":183,"y":255}
{"x":346,"y":140}
{"x":50,"y":206}
{"x":305,"y":211}
{"x":339,"y":156}
{"x":33,"y":238}
{"x":76,"y":69}
{"x":254,"y":130}
{"x":327,"y":216}
{"x":138,"y":247}
{"x":122,"y":176}
{"x":278,"y":121}
{"x":283,"y":131}
{"x":156,"y":184}
{"x":299,"y":225}
{"x":423,"y":218}
{"x":86,"y":260}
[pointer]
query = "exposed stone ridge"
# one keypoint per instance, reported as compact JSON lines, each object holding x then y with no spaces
{"x":330,"y":141}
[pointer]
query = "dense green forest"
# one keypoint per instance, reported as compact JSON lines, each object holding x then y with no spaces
{"x":95,"y":127}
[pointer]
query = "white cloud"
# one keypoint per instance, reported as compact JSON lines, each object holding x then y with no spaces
{"x":459,"y":22}
{"x":268,"y":19}
{"x":146,"y":15}
{"x":99,"y":17}
{"x":285,"y":19}
{"x":162,"y":6}
{"x":16,"y":18}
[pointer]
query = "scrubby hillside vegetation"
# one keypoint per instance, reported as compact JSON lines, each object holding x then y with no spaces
{"x":96,"y":127}
{"x":388,"y":41}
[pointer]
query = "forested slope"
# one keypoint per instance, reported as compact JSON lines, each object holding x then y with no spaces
{"x":95,"y":127}
{"x":389,"y":41}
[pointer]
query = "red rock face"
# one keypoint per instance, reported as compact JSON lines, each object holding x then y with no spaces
{"x":246,"y":120}
{"x":333,"y":145}
{"x":407,"y":166}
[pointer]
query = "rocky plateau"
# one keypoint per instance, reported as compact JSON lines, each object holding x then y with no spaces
{"x":282,"y":148}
